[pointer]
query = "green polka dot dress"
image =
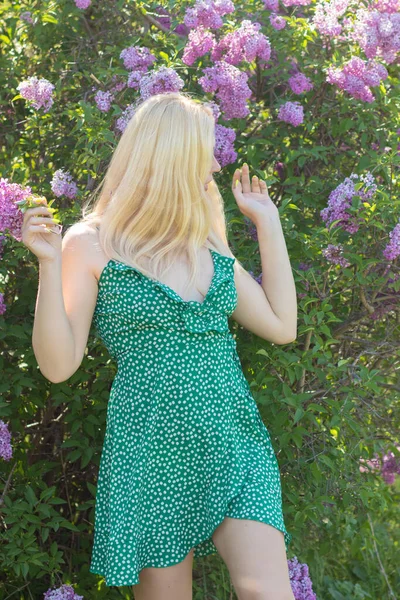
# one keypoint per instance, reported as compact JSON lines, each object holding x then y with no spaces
{"x":184,"y":444}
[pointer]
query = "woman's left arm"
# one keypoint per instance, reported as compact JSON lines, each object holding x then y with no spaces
{"x":269,"y":310}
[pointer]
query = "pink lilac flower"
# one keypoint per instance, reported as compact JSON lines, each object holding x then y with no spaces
{"x":326,"y":16}
{"x":83,"y":4}
{"x":37,"y":91}
{"x":300,"y":83}
{"x":291,"y":112}
{"x":377,"y":33}
{"x":388,"y":6}
{"x":63,"y":185}
{"x":340,"y":200}
{"x":245,"y":43}
{"x":224,"y":150}
{"x":199,"y":43}
{"x":64,"y":592}
{"x":103,"y":100}
{"x":333,"y":254}
{"x":165,"y":79}
{"x":271,"y":5}
{"x":392,"y":250}
{"x":296,"y":2}
{"x":230,"y":86}
{"x":277,"y":21}
{"x":26,"y":15}
{"x":300,"y":580}
{"x":137,"y":58}
{"x":208,"y":13}
{"x":11,"y":217}
{"x":3,"y":306}
{"x":126,"y":116}
{"x":5,"y":435}
{"x":356,"y":76}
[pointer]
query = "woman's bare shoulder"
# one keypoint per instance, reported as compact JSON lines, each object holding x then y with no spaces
{"x":82,"y":240}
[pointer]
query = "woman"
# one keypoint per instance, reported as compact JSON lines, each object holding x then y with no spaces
{"x":187,"y":467}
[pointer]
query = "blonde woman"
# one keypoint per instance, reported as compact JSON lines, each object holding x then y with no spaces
{"x":187,"y":466}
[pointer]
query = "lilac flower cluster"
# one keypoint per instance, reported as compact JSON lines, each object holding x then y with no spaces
{"x":5,"y":435}
{"x":277,"y":21}
{"x":38,"y":92}
{"x":83,"y":4}
{"x":163,"y":16}
{"x":300,"y":83}
{"x":356,"y":76}
{"x":224,"y":148}
{"x":230,"y":86}
{"x":64,"y":592}
{"x":11,"y":217}
{"x":199,"y":43}
{"x":63,"y":185}
{"x":243,"y":44}
{"x":125,"y":117}
{"x":296,"y":2}
{"x":334,"y":255}
{"x":165,"y":79}
{"x":137,"y":58}
{"x":26,"y":15}
{"x":215,"y":108}
{"x":3,"y":240}
{"x":300,"y":580}
{"x":208,"y":13}
{"x":271,"y":5}
{"x":388,"y":6}
{"x":340,"y":200}
{"x":291,"y":112}
{"x":392,"y":250}
{"x":378,"y":33}
{"x":390,"y":467}
{"x":103,"y":100}
{"x":326,"y":16}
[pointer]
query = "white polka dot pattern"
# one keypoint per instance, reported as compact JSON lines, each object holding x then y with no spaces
{"x":184,"y":444}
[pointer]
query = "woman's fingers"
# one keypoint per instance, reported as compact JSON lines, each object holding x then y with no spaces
{"x":255,"y":185}
{"x":245,"y":178}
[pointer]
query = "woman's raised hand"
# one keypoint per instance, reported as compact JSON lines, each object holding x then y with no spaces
{"x":252,"y":197}
{"x":41,"y":233}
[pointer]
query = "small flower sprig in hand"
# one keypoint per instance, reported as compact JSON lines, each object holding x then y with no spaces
{"x":39,"y":219}
{"x":252,"y":198}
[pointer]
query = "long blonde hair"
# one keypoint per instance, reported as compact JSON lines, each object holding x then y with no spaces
{"x":152,"y":201}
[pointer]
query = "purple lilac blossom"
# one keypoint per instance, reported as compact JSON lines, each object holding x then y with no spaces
{"x":164,"y":80}
{"x":333,"y":254}
{"x":271,"y":5}
{"x":392,"y":250}
{"x":277,"y":21}
{"x":163,"y":16}
{"x":26,"y":15}
{"x":208,"y":13}
{"x":63,"y":185}
{"x":11,"y":217}
{"x":134,"y":79}
{"x":214,"y":107}
{"x":230,"y":86}
{"x":182,"y":29}
{"x":300,"y":580}
{"x":291,"y":112}
{"x":3,"y":240}
{"x":377,"y":33}
{"x":38,"y":92}
{"x":300,"y":83}
{"x":137,"y":58}
{"x":296,"y":2}
{"x":326,"y":15}
{"x":64,"y":592}
{"x":245,"y":43}
{"x":3,"y":306}
{"x":390,"y":467}
{"x":5,"y":435}
{"x":340,"y":199}
{"x":124,"y":119}
{"x":103,"y":100}
{"x":199,"y":43}
{"x":280,"y":169}
{"x":82,"y":4}
{"x":224,"y":150}
{"x":356,"y":76}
